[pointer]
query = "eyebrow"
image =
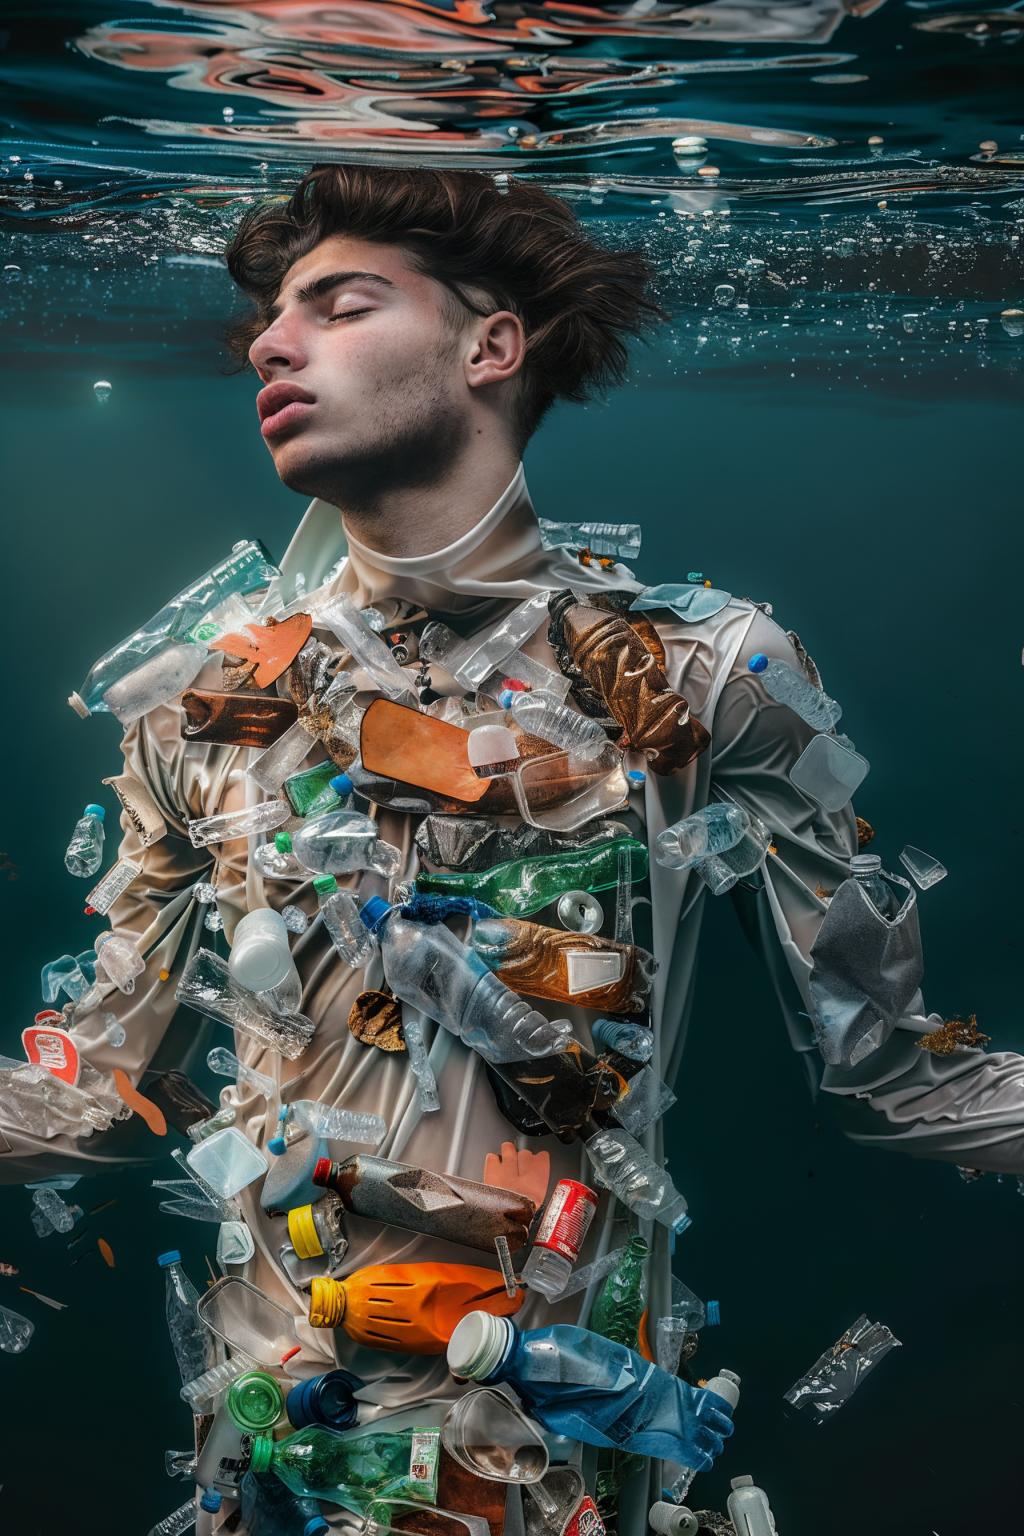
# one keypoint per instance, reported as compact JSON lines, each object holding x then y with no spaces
{"x":314,"y":290}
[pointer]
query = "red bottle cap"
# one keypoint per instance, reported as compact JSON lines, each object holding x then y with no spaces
{"x":322,"y":1171}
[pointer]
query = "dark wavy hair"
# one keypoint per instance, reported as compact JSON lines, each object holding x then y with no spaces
{"x":510,"y":245}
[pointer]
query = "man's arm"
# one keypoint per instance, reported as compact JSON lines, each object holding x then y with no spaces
{"x":158,"y":913}
{"x":966,"y":1108}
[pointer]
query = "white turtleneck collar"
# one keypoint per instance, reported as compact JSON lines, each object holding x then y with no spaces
{"x":501,"y":557}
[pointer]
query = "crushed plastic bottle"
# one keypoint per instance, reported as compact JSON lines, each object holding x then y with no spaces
{"x":85,"y":850}
{"x":207,"y":986}
{"x":792,"y":688}
{"x":15,"y":1331}
{"x":473,"y":660}
{"x":226,"y":1064}
{"x":523,"y":886}
{"x":368,"y":649}
{"x":713,"y":830}
{"x":619,"y":541}
{"x":619,"y":1304}
{"x":721,"y":871}
{"x":204,"y":1393}
{"x":339,"y":844}
{"x":634,"y":1041}
{"x":193,"y":1347}
{"x":428,"y":968}
{"x":624,"y":1167}
{"x":228,"y":825}
{"x":836,"y":1375}
{"x":339,"y":1124}
{"x":275,"y":860}
{"x":479,"y":842}
{"x":419,"y":1061}
{"x":542,"y":715}
{"x":340,"y":912}
{"x":119,"y":957}
{"x":351,"y":1470}
{"x":54,"y":1214}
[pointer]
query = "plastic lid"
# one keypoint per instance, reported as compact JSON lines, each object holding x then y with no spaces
{"x":865,"y":864}
{"x":324,"y":883}
{"x":283,"y":842}
{"x":315,"y":1527}
{"x":742,"y":1482}
{"x":172,"y":1256}
{"x":636,"y":776}
{"x":342,"y":784}
{"x":261,"y":1451}
{"x":374,"y":912}
{"x":712,"y":1314}
{"x":327,"y":1301}
{"x":99,"y":811}
{"x":477,"y":1345}
{"x":79,"y":705}
{"x":277,"y":1145}
{"x":758,"y":662}
{"x":255,"y":1401}
{"x":302,"y":1233}
{"x":210,"y":1501}
{"x":322,"y":1171}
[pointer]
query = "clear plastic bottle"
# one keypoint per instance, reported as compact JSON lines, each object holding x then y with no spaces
{"x":207,"y":985}
{"x":714,"y":829}
{"x":428,"y":968}
{"x":340,"y":911}
{"x":789,"y":687}
{"x":633,"y":1041}
{"x":866,"y":869}
{"x":623,"y":1166}
{"x":85,"y":850}
{"x":261,"y":959}
{"x":339,"y":844}
{"x":227,"y":825}
{"x":190,"y":1339}
{"x":204,"y":1393}
{"x":119,"y":957}
{"x":334,"y":1124}
{"x":15,"y":1331}
{"x":543,"y":715}
{"x":226,"y":1064}
{"x":672,"y":1520}
{"x":749,"y":1509}
{"x":55,"y":1212}
{"x":275,"y":860}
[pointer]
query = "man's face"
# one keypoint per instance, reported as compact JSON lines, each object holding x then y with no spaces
{"x":379,"y":363}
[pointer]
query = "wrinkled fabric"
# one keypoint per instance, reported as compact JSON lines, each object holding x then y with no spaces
{"x":967,"y":1108}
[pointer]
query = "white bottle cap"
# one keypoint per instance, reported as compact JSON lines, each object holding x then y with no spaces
{"x":672,"y":1520}
{"x":726,"y":1384}
{"x":477,"y":1345}
{"x":260,"y":957}
{"x":742,"y":1482}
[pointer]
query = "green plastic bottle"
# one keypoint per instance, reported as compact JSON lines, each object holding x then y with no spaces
{"x":353,"y":1470}
{"x":616,"y":1315}
{"x":523,"y":886}
{"x":255,"y":1401}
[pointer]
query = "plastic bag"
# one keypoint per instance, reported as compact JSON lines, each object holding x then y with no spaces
{"x":835,"y":1376}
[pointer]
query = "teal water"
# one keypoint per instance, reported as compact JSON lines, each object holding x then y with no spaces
{"x":846,"y":447}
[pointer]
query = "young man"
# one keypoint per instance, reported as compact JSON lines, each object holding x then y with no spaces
{"x":409,"y":330}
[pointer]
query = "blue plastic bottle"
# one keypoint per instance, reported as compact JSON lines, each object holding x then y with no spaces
{"x":578,"y":1384}
{"x":271,"y":1509}
{"x":328,"y":1399}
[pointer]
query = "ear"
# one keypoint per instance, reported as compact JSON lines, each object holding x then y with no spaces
{"x":497,"y":351}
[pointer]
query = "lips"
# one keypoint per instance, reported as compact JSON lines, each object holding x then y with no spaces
{"x":277,"y":396}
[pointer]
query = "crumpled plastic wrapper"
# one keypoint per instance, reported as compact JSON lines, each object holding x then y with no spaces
{"x":865,"y":973}
{"x":835,"y":1376}
{"x":452,"y":842}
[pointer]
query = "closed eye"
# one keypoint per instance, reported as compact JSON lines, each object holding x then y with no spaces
{"x":348,"y":314}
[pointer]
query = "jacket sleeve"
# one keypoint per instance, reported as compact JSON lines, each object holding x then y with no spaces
{"x":966,"y":1107}
{"x":159,"y":913}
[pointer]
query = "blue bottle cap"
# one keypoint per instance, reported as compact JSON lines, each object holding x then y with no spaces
{"x":505,"y":697}
{"x":315,"y":1527}
{"x":374,"y":912}
{"x":210,"y":1500}
{"x":636,"y":776}
{"x":342,"y":784}
{"x":171,"y":1257}
{"x":277,"y":1145}
{"x":712,"y":1314}
{"x":757,"y":662}
{"x":99,"y":811}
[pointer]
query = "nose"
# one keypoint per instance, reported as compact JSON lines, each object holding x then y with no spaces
{"x":279,"y":346}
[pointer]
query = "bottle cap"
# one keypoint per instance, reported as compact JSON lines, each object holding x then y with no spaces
{"x":79,"y":705}
{"x":255,"y":1401}
{"x":637,"y":777}
{"x":342,"y":784}
{"x":374,"y":912}
{"x":315,"y":1527}
{"x":283,"y":842}
{"x":261,"y":1450}
{"x":326,"y":1302}
{"x":712,"y":1314}
{"x":99,"y":811}
{"x":758,"y":662}
{"x":324,"y":883}
{"x":322,"y":1171}
{"x":865,"y":864}
{"x":476,"y":1347}
{"x":743,"y":1482}
{"x":277,"y":1146}
{"x":210,"y":1501}
{"x":172,"y":1256}
{"x":302,"y":1233}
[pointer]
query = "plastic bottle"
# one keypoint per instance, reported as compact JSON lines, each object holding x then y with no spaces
{"x":165,"y":654}
{"x":190,"y":1339}
{"x":749,"y":1509}
{"x":787,"y":686}
{"x":339,"y":844}
{"x":204,"y":1393}
{"x":255,"y":1402}
{"x":228,"y":825}
{"x":340,"y":911}
{"x":437,"y":1205}
{"x":619,"y":1304}
{"x":328,"y":1399}
{"x":523,"y":886}
{"x":429,"y":969}
{"x":672,"y":1520}
{"x":540,"y":714}
{"x":587,"y":1388}
{"x":628,"y":1170}
{"x":325,"y":1120}
{"x":261,"y":959}
{"x":181,"y":1519}
{"x":317,"y":1231}
{"x":85,"y":850}
{"x":560,"y":1236}
{"x":207,"y":986}
{"x":564,"y":966}
{"x":714,"y":829}
{"x":120,"y":959}
{"x":866,"y":869}
{"x":275,"y":860}
{"x":15,"y":1331}
{"x":271,"y":1509}
{"x":55,"y":1212}
{"x":353,"y":1469}
{"x":226,"y":1064}
{"x":633,"y":1041}
{"x":410,"y":1307}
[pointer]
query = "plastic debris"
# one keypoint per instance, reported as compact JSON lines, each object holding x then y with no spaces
{"x":836,"y":1375}
{"x":923,"y":869}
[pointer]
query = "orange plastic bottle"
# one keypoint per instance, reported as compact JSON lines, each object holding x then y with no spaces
{"x":414,"y":1308}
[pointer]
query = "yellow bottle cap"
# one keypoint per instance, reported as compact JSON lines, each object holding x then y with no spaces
{"x":326,"y":1303}
{"x":302,"y":1233}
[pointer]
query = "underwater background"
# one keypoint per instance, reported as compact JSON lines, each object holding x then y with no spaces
{"x":829,"y":421}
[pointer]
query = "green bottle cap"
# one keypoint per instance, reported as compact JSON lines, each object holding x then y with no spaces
{"x":255,"y":1401}
{"x":261,"y":1452}
{"x":283,"y":842}
{"x":324,"y":883}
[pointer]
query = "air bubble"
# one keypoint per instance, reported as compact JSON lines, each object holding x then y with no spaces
{"x":102,"y":390}
{"x":724,"y":295}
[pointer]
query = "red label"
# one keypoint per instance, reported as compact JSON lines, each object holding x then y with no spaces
{"x":584,"y":1520}
{"x":53,"y":1049}
{"x":567,"y":1219}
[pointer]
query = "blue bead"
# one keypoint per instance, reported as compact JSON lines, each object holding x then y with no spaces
{"x":758,"y":662}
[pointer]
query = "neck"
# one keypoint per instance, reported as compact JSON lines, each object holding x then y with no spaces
{"x":417,"y":519}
